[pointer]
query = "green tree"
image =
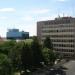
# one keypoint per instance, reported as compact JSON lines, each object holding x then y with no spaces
{"x":47,"y":43}
{"x":6,"y":61}
{"x":52,"y":57}
{"x":15,"y":55}
{"x":37,"y":52}
{"x":5,"y":65}
{"x":48,"y":51}
{"x":49,"y":56}
{"x":26,"y":57}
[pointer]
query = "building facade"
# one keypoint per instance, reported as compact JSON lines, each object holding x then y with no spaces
{"x":62,"y":34}
{"x":16,"y":34}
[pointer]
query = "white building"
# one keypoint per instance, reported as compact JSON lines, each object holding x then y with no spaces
{"x":61,"y":32}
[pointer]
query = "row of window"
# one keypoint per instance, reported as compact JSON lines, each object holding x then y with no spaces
{"x":68,"y":55}
{"x":61,"y":36}
{"x":58,"y":26}
{"x":65,"y":50}
{"x":59,"y":30}
{"x":63,"y":45}
{"x":67,"y":40}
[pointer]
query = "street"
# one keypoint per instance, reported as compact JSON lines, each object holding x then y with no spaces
{"x":71,"y":67}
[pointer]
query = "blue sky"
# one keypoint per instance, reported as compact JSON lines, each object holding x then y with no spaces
{"x":24,"y":14}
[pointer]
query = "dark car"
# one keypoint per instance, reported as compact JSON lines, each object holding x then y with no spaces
{"x":57,"y":72}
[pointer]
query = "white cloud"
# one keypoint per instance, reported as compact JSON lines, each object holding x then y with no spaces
{"x":39,"y":11}
{"x":61,"y":0}
{"x":34,"y":12}
{"x":7,"y":10}
{"x":2,"y":32}
{"x":27,"y":18}
{"x":44,"y":18}
{"x":3,"y":17}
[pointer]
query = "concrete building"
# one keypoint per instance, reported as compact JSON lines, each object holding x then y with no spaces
{"x":16,"y":34}
{"x":62,"y":34}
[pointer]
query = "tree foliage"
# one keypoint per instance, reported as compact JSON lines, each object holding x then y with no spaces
{"x":48,"y":51}
{"x":26,"y":57}
{"x":37,"y":52}
{"x":19,"y":56}
{"x":47,"y":43}
{"x":32,"y":54}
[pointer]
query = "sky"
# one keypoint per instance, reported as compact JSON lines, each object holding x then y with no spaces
{"x":24,"y":14}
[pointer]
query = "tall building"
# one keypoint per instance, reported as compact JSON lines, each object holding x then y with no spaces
{"x":16,"y":34}
{"x":62,"y":34}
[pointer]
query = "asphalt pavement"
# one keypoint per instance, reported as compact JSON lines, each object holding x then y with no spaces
{"x":71,"y":67}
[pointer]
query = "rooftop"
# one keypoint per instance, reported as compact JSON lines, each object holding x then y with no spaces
{"x":58,"y":20}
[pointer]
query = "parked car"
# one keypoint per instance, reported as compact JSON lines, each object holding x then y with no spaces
{"x":56,"y":72}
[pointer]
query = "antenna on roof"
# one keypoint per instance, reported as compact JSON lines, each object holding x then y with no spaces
{"x":73,"y":10}
{"x":63,"y":15}
{"x":58,"y":16}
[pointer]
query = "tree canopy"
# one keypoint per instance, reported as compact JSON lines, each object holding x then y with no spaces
{"x":47,"y":43}
{"x":20,"y":56}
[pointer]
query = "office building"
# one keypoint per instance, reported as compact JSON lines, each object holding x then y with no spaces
{"x":62,"y":34}
{"x":16,"y":34}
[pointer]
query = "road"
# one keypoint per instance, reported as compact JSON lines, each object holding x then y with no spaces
{"x":70,"y":71}
{"x":71,"y":67}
